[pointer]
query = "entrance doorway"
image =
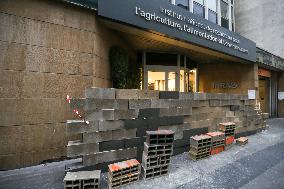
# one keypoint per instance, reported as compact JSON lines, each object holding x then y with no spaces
{"x":264,"y":86}
{"x":168,"y":72}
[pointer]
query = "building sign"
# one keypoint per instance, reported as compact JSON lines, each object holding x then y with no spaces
{"x":175,"y":22}
{"x":263,"y":72}
{"x":225,"y":85}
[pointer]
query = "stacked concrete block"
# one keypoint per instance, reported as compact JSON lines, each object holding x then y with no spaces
{"x":114,"y":123}
{"x":218,"y":142}
{"x":229,"y":129}
{"x":123,"y":173}
{"x":200,"y":147}
{"x":82,"y":180}
{"x":158,"y":150}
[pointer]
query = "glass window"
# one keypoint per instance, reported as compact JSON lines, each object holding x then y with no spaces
{"x":212,"y":5}
{"x":232,"y":18}
{"x":224,"y":10}
{"x":181,"y":81}
{"x":182,"y":4}
{"x":198,"y":9}
{"x":156,"y":80}
{"x":201,"y":2}
{"x":172,"y":81}
{"x":224,"y":22}
{"x":212,"y":16}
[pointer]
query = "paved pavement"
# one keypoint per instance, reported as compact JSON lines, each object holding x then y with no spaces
{"x":259,"y":164}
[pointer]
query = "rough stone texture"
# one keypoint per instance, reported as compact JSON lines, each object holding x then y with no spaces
{"x":48,"y":49}
{"x":262,"y":22}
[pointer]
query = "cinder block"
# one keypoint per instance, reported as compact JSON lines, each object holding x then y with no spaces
{"x":95,"y":137}
{"x":100,"y":93}
{"x":169,"y":95}
{"x":123,"y":133}
{"x":177,"y":103}
{"x":82,"y":179}
{"x":186,"y":96}
{"x":126,"y":94}
{"x":134,"y":142}
{"x":77,"y":148}
{"x":149,"y":113}
{"x":80,"y":126}
{"x":160,"y":103}
{"x":139,"y":104}
{"x":201,"y":123}
{"x":98,"y":104}
{"x":175,"y":111}
{"x":171,"y":120}
{"x":125,"y":114}
{"x":200,"y":103}
{"x":151,"y":150}
{"x":234,"y":108}
{"x":135,"y":123}
{"x":148,"y":173}
{"x":148,"y":94}
{"x":111,"y":145}
{"x":160,"y":137}
{"x":100,"y":115}
{"x":113,"y":155}
{"x":110,"y":125}
{"x":109,"y":135}
{"x":199,"y":96}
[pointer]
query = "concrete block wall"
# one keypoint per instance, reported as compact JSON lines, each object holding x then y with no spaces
{"x":108,"y":138}
{"x":48,"y":49}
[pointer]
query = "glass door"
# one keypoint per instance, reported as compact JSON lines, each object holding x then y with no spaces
{"x":161,"y":78}
{"x":156,"y":80}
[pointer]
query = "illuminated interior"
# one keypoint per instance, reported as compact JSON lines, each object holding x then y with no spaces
{"x":156,"y":81}
{"x":172,"y":81}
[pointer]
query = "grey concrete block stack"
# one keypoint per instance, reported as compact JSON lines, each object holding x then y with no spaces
{"x":114,"y":122}
{"x":158,"y":150}
{"x":82,"y":180}
{"x":123,"y":173}
{"x":200,"y":147}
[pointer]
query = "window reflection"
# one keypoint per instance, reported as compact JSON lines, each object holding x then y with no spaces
{"x":182,"y":4}
{"x":198,"y":9}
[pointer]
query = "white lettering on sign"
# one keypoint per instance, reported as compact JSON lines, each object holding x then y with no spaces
{"x":205,"y":32}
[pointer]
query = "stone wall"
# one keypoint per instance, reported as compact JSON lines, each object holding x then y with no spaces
{"x":116,"y":120}
{"x":47,"y":50}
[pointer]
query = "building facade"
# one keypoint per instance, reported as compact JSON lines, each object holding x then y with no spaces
{"x":50,"y":49}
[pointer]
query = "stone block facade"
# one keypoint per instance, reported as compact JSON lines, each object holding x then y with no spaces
{"x":46,"y":54}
